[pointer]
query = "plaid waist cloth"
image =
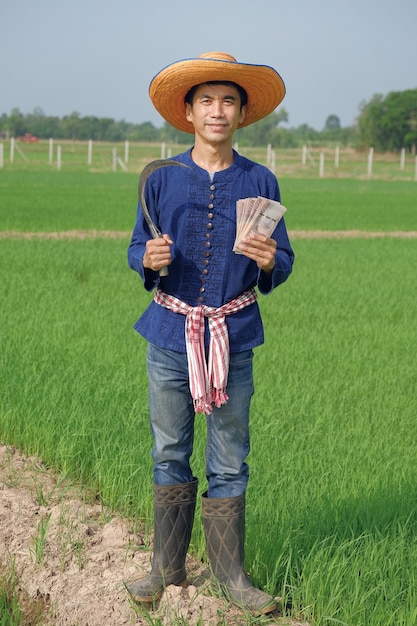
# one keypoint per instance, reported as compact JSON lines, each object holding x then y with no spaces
{"x":207,"y":380}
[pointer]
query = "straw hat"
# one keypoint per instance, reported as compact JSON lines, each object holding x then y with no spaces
{"x":263,"y":84}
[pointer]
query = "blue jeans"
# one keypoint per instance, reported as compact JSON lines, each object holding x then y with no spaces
{"x":172,"y":423}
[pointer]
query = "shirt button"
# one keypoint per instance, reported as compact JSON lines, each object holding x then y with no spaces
{"x":210,"y":225}
{"x":202,"y":290}
{"x":210,"y":216}
{"x":211,"y":196}
{"x":205,"y":271}
{"x":212,"y":187}
{"x":206,"y":261}
{"x":208,"y":244}
{"x":207,"y":254}
{"x":200,"y":299}
{"x":207,"y":235}
{"x":210,"y":206}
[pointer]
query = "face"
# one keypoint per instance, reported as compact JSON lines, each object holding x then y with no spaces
{"x":215,"y":112}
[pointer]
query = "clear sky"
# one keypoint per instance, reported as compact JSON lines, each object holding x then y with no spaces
{"x":97,"y":57}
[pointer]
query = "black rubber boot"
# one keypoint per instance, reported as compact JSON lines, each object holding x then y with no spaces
{"x":224,"y":528}
{"x":174,"y":507}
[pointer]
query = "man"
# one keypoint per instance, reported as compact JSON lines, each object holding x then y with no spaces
{"x":204,"y":320}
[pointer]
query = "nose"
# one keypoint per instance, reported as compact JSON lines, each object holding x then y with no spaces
{"x":217,"y":109}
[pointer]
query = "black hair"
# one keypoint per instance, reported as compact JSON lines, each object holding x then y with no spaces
{"x":189,"y":96}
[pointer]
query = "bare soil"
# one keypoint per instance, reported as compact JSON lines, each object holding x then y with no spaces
{"x":293,"y":234}
{"x":71,"y":558}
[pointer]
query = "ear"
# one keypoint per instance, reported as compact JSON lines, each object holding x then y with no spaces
{"x":242,"y":114}
{"x":188,"y":112}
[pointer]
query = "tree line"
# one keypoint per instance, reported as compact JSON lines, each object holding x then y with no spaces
{"x":387,"y":123}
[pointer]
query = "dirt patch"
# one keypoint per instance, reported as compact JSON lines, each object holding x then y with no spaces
{"x":66,"y":234}
{"x":72,"y":557}
{"x":294,"y":234}
{"x":351,"y":234}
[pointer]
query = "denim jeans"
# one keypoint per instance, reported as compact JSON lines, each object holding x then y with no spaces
{"x":172,"y":423}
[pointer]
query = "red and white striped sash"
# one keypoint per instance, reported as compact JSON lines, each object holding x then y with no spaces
{"x":207,"y":384}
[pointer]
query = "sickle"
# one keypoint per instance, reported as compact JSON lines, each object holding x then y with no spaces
{"x":146,"y":172}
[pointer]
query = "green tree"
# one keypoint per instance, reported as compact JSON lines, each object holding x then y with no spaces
{"x":145,"y":132}
{"x":263,"y":132}
{"x":332,"y":123}
{"x":399,"y":119}
{"x":170,"y":134}
{"x":304,"y":134}
{"x":369,"y":122}
{"x":16,"y":123}
{"x":389,"y":123}
{"x":70,"y":125}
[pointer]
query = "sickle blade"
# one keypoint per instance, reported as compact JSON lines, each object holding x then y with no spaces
{"x":146,"y":172}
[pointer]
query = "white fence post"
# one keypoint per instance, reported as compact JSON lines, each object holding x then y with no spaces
{"x":51,"y":150}
{"x":90,"y":152}
{"x":415,"y":170}
{"x":268,"y":155}
{"x":126,"y":152}
{"x":22,"y":154}
{"x":12,"y":146}
{"x":163,"y":146}
{"x":122,"y":164}
{"x":370,"y":160}
{"x":336,"y":157}
{"x":117,"y":160}
{"x":58,"y":158}
{"x":304,"y":156}
{"x":321,"y":170}
{"x":272,"y":161}
{"x":1,"y":155}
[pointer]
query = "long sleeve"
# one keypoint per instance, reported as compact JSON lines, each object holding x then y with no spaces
{"x":137,"y":249}
{"x":284,"y":260}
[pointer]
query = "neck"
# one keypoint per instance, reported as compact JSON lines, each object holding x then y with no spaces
{"x":213,"y":158}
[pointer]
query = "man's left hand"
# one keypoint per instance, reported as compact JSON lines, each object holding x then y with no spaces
{"x":260,"y":249}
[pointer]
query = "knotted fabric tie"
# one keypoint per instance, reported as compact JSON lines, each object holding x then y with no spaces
{"x":207,"y":380}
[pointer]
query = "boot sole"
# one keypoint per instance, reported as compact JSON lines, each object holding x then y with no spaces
{"x":156,"y":596}
{"x":265,"y":609}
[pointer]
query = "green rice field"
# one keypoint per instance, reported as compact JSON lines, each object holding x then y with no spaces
{"x":332,"y":500}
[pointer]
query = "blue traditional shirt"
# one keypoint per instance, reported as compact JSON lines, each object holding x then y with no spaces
{"x":199,"y":214}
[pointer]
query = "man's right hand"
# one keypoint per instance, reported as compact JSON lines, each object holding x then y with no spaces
{"x":158,"y":253}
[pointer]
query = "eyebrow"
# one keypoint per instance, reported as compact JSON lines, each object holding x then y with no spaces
{"x":225,"y":97}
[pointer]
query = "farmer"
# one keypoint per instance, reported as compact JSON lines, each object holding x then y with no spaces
{"x":210,"y":295}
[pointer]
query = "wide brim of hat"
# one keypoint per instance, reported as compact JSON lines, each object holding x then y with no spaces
{"x":262,"y":83}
